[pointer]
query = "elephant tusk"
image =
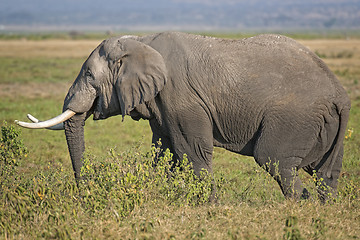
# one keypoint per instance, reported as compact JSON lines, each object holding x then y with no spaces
{"x":54,"y":123}
{"x":32,"y":118}
{"x":59,"y":126}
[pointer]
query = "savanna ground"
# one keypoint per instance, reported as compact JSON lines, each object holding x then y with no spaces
{"x":124,"y":197}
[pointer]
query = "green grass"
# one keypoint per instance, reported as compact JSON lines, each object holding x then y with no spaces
{"x":50,"y":146}
{"x":24,"y":70}
{"x":124,"y":198}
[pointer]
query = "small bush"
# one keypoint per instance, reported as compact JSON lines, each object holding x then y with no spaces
{"x":124,"y":181}
{"x":291,"y":229}
{"x":111,"y":187}
{"x":12,"y":151}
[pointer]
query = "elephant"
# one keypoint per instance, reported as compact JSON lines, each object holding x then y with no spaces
{"x":266,"y":96}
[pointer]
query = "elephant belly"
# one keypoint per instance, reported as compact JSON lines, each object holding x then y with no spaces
{"x":240,"y":134}
{"x":243,"y":148}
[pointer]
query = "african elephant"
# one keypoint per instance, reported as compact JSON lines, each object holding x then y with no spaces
{"x":266,"y":96}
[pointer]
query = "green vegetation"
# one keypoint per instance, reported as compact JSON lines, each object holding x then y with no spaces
{"x":38,"y":69}
{"x":52,"y":203}
{"x":123,"y":196}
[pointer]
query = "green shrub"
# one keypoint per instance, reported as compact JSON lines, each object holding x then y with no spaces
{"x":111,"y":187}
{"x":12,"y":151}
{"x":291,"y":229}
{"x":124,"y":181}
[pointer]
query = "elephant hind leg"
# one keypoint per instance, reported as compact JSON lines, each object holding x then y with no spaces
{"x":327,"y":187}
{"x":285,"y":172}
{"x":284,"y":142}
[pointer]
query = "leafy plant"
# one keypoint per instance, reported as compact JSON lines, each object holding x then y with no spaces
{"x":12,"y":151}
{"x":291,"y":229}
{"x":125,"y":181}
{"x":113,"y":186}
{"x":319,"y":227}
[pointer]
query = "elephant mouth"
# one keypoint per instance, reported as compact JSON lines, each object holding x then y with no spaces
{"x":96,"y":115}
{"x":96,"y":110}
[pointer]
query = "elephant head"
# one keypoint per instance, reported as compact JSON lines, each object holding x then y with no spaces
{"x":120,"y":75}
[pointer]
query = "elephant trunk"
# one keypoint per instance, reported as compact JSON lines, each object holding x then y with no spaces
{"x":73,"y":124}
{"x":74,"y":132}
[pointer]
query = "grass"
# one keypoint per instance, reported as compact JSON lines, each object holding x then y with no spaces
{"x":125,"y":199}
{"x":38,"y":69}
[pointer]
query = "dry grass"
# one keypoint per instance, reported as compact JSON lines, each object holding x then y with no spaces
{"x":343,"y":58}
{"x":82,"y":48}
{"x":47,"y":48}
{"x":28,"y":52}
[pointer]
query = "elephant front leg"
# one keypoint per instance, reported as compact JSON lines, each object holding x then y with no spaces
{"x":195,"y":139}
{"x":199,"y":153}
{"x":191,"y":137}
{"x":161,"y":143}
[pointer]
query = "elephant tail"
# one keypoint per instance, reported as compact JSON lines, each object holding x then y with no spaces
{"x":338,"y":142}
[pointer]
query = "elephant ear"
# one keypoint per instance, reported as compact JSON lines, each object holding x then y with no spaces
{"x":141,"y":73}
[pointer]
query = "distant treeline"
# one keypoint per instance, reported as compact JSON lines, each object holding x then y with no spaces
{"x":77,"y":35}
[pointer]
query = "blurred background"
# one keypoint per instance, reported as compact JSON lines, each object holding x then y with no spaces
{"x":184,"y":15}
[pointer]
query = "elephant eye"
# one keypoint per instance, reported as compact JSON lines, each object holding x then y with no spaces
{"x":88,"y":73}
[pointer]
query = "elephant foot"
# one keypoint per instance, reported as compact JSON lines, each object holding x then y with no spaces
{"x":326,"y":193}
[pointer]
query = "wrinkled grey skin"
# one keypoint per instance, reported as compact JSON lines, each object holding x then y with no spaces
{"x":266,"y":96}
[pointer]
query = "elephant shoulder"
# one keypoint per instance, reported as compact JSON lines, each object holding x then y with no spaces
{"x":161,"y":37}
{"x":168,"y":44}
